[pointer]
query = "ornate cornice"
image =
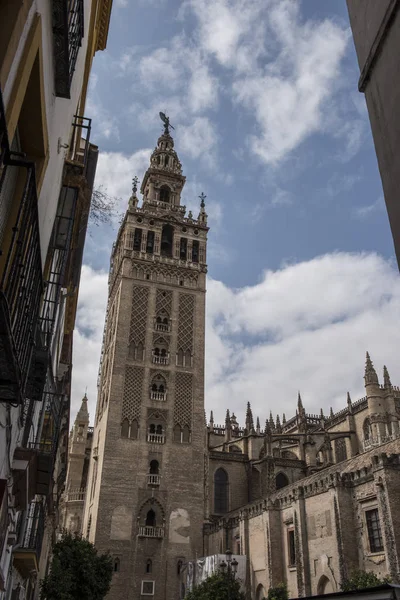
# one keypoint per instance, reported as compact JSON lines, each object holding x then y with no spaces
{"x":103,"y":23}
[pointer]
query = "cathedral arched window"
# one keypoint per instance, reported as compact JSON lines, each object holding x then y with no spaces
{"x":167,"y":240}
{"x":367,"y":429}
{"x":177,"y":433}
{"x":221,"y":491}
{"x":165,"y":193}
{"x":154,"y":467}
{"x":149,"y":565}
{"x":125,"y":428}
{"x":340,"y":450}
{"x":186,"y":434}
{"x":281,"y":481}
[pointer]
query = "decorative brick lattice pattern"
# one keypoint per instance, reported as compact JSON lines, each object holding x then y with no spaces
{"x":164,"y":301}
{"x":132,"y":393}
{"x":140,"y":299}
{"x":183,"y":399}
{"x":186,"y":319}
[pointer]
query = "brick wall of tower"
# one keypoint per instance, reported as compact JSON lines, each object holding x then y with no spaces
{"x":119,"y":495}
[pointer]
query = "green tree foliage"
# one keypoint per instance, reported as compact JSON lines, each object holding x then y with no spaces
{"x":361,"y":580}
{"x":217,"y":587}
{"x":279,"y":592}
{"x":77,"y":571}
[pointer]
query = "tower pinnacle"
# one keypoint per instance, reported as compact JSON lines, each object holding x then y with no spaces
{"x":386,"y":378}
{"x":370,"y":377}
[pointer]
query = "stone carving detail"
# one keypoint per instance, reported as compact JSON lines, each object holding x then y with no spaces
{"x":186,"y":321}
{"x":133,"y":390}
{"x":137,"y":332}
{"x":183,"y":399}
{"x":164,"y":301}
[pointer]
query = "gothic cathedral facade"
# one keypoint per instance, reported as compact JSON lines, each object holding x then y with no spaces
{"x":145,"y":490}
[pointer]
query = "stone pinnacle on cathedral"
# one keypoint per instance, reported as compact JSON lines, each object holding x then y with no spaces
{"x":278,"y":424}
{"x":258,"y":428}
{"x":370,"y":377}
{"x":249,"y":419}
{"x":386,"y":378}
{"x":83,"y":413}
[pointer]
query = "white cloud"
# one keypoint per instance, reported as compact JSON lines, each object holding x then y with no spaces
{"x":115,"y":171}
{"x":305,"y":326}
{"x":198,"y":139}
{"x":363,"y":212}
{"x":87,"y":337}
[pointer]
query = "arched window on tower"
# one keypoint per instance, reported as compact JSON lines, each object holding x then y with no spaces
{"x":179,"y":358}
{"x":167,"y":239}
{"x":367,"y":430}
{"x":177,"y":434}
{"x":158,"y":388}
{"x":149,"y":565}
{"x":221,"y":490}
{"x":125,"y":428}
{"x":166,"y":160}
{"x":186,"y":434}
{"x":150,"y":518}
{"x":281,"y":481}
{"x":117,"y":564}
{"x":154,"y":467}
{"x":133,"y":434}
{"x":165,"y":193}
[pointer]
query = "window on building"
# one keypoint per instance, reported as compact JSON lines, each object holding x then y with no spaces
{"x":133,"y":434}
{"x":150,"y":242}
{"x":183,"y":249}
{"x":125,"y":428}
{"x":150,"y":518}
{"x":154,"y":467}
{"x":179,"y":567}
{"x":374,"y":530}
{"x":340,"y":450}
{"x":117,"y":565}
{"x":367,"y":429}
{"x":291,"y":548}
{"x":195,"y":251}
{"x":165,"y":193}
{"x":148,"y":588}
{"x":137,"y":239}
{"x":149,"y":565}
{"x":281,"y":481}
{"x":186,"y":434}
{"x":179,"y":358}
{"x":177,"y":434}
{"x":166,"y":160}
{"x":221,"y":484}
{"x":167,"y":238}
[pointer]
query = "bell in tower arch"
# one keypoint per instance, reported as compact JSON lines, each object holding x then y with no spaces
{"x":167,"y":239}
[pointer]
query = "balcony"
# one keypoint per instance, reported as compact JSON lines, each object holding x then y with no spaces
{"x":75,"y":495}
{"x":156,"y":438}
{"x":151,"y":532}
{"x":80,"y":142}
{"x":30,"y":533}
{"x":153,"y":479}
{"x":160,"y":360}
{"x":67,"y":39}
{"x":161,"y":396}
{"x":21,"y":287}
{"x":164,"y":327}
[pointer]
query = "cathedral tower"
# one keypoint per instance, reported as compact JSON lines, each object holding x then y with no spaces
{"x":144,"y":500}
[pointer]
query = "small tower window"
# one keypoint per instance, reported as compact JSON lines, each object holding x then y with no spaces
{"x":149,"y":566}
{"x":117,"y":565}
{"x":195,"y":251}
{"x":150,"y":242}
{"x":151,"y":518}
{"x":281,"y":481}
{"x":166,"y":160}
{"x":154,"y":467}
{"x":179,"y":567}
{"x":183,"y":249}
{"x":125,"y":428}
{"x":137,"y":239}
{"x":167,"y":239}
{"x":165,"y":193}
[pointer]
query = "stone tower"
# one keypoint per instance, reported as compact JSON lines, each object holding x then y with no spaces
{"x":145,"y":497}
{"x":78,"y":463}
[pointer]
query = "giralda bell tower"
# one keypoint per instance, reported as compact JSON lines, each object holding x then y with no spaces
{"x":145,"y":497}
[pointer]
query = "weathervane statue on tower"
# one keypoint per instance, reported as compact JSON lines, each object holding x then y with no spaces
{"x":166,"y":122}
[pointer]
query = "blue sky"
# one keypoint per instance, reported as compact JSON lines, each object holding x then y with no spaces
{"x":270,"y":125}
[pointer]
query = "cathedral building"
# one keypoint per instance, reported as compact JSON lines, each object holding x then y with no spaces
{"x":305,"y":500}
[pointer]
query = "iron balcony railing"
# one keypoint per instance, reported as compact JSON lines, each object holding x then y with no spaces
{"x":162,"y":396}
{"x":80,"y":141}
{"x":32,"y":537}
{"x":156,"y":438}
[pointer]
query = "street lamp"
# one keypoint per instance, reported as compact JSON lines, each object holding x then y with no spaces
{"x":230,"y":568}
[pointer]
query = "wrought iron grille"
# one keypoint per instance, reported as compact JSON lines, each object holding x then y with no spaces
{"x":75,"y":32}
{"x":21,"y":281}
{"x":68,"y":31}
{"x":59,"y":247}
{"x":79,"y":146}
{"x":34,"y":527}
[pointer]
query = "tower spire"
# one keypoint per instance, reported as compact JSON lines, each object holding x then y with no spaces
{"x":83,"y":413}
{"x":370,"y":377}
{"x":386,"y":378}
{"x":249,"y":419}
